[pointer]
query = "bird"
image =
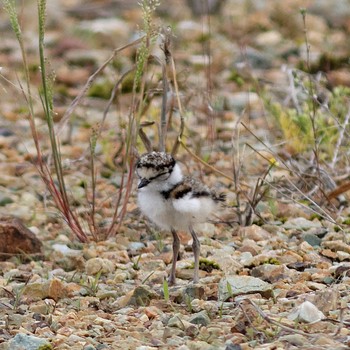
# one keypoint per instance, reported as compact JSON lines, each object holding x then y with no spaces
{"x":174,"y":202}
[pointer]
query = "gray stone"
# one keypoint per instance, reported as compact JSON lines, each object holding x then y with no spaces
{"x":312,"y":239}
{"x":200,"y":318}
{"x":193,"y":291}
{"x":255,"y":58}
{"x":337,"y":12}
{"x":6,"y":132}
{"x":294,"y":339}
{"x":271,"y":273}
{"x":65,"y":250}
{"x":106,"y":30}
{"x":176,"y":321}
{"x":89,"y":347}
{"x":301,"y":224}
{"x":136,"y":246}
{"x":23,"y":341}
{"x":239,"y":100}
{"x":237,"y":285}
{"x":306,"y":312}
{"x":142,"y":296}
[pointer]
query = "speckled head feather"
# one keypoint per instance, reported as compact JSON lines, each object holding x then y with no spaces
{"x":152,"y":165}
{"x":156,"y":160}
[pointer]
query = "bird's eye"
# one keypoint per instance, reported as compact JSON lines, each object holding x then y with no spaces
{"x":163,"y":176}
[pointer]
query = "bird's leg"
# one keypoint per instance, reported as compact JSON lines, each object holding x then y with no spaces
{"x":196,"y":246}
{"x":176,"y":249}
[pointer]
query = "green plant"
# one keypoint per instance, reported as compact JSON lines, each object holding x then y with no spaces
{"x":92,"y":284}
{"x":136,"y":263}
{"x":166,"y":290}
{"x":188,"y":302}
{"x":54,"y":179}
{"x":160,"y":241}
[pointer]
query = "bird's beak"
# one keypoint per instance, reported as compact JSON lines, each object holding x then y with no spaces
{"x":143,"y":182}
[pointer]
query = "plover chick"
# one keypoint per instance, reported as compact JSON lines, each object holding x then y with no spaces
{"x":173,"y":201}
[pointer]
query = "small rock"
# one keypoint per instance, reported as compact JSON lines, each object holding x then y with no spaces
{"x":6,"y":132}
{"x":200,"y":318}
{"x":312,"y":239}
{"x":107,"y":30}
{"x":135,"y":247}
{"x":99,"y":265}
{"x":187,"y":274}
{"x":23,"y":341}
{"x":271,"y":273}
{"x":15,"y":320}
{"x":342,"y":270}
{"x":54,"y":289}
{"x":191,"y":30}
{"x":211,"y":7}
{"x":199,"y":345}
{"x":306,"y":312}
{"x":336,"y":246}
{"x":255,"y":233}
{"x":248,"y":245}
{"x":301,"y":224}
{"x":226,"y":260}
{"x":325,"y":300}
{"x":211,"y":307}
{"x":255,"y":58}
{"x":4,"y":200}
{"x":290,"y":257}
{"x":294,"y":339}
{"x":269,"y":38}
{"x":246,"y":259}
{"x":194,"y":291}
{"x":15,"y":238}
{"x":177,"y":321}
{"x":89,"y":347}
{"x":242,"y":285}
{"x":41,"y":307}
{"x":65,"y":250}
{"x":343,"y":256}
{"x":142,"y":296}
{"x":239,"y":100}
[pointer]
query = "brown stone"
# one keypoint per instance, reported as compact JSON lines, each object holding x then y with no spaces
{"x":15,"y":239}
{"x":255,"y":233}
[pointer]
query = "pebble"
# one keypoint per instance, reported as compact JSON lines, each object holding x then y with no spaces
{"x":65,"y":250}
{"x":54,"y":289}
{"x":191,"y":30}
{"x":301,"y":224}
{"x":99,"y":265}
{"x":255,"y":233}
{"x":108,"y":31}
{"x":200,"y":318}
{"x":294,"y":339}
{"x":336,"y":246}
{"x":135,"y":247}
{"x":268,"y":39}
{"x":306,"y":312}
{"x":272,"y":273}
{"x":312,"y":239}
{"x":242,"y":285}
{"x":142,"y":296}
{"x":23,"y":341}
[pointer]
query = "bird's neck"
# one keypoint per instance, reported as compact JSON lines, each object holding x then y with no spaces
{"x":175,"y":177}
